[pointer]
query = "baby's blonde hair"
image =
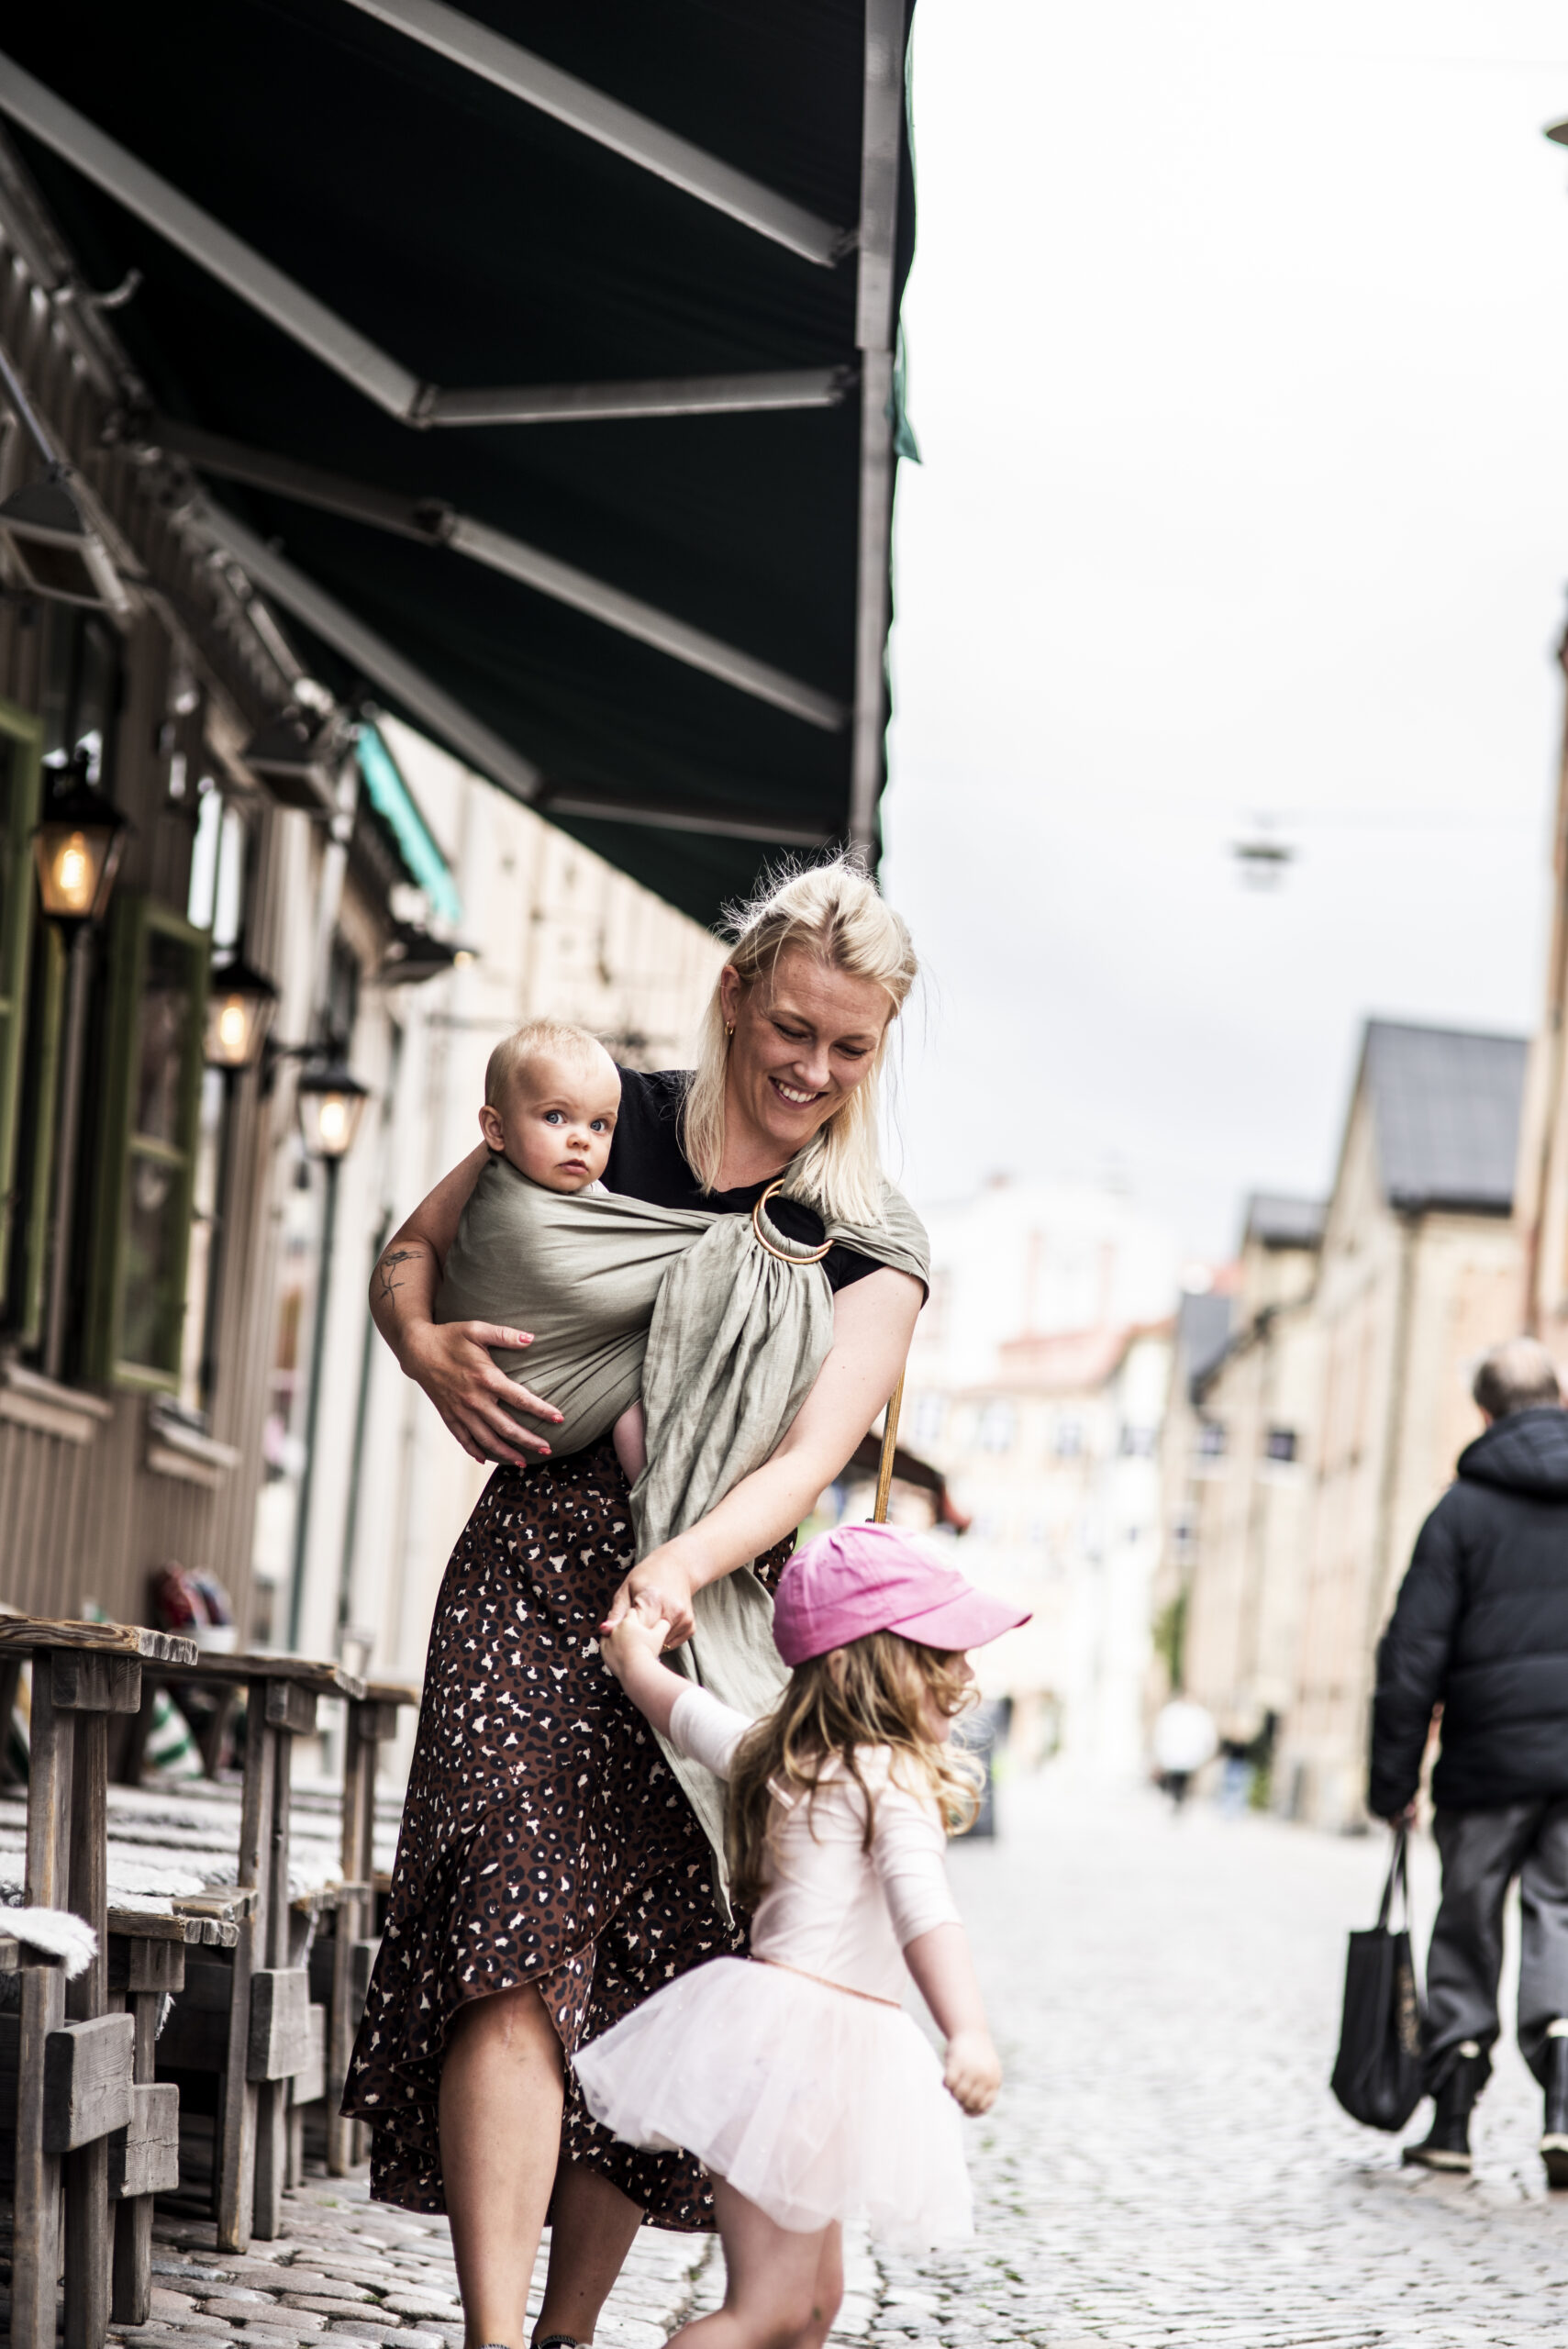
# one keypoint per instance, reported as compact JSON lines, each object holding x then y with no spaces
{"x":835,"y":913}
{"x":528,"y":1042}
{"x":872,"y":1691}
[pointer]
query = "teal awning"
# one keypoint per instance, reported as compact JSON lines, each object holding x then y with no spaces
{"x":394,"y":803}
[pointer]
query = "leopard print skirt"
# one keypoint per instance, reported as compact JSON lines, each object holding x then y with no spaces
{"x":544,"y":1837}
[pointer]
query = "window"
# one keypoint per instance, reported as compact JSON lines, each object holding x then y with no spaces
{"x":1069,"y":1439}
{"x":929,"y":1417}
{"x":147,"y":1160}
{"x":1211,"y":1439}
{"x":1280,"y":1444}
{"x":19,"y":741}
{"x":1135,"y":1442}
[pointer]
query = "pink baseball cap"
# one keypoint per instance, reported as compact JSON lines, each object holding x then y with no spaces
{"x":862,"y":1578}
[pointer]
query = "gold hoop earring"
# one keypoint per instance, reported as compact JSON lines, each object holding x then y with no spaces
{"x":729,"y":1031}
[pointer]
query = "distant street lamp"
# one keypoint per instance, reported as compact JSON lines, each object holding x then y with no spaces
{"x":77,"y":847}
{"x":331,"y":1103}
{"x":240,"y":1005}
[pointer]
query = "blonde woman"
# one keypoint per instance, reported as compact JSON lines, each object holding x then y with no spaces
{"x":551,"y":1874}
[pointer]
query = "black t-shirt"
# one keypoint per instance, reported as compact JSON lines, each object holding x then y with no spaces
{"x":647,"y":1162}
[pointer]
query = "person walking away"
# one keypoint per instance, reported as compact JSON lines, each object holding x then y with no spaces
{"x":794,"y":2076}
{"x":1481,"y":1628}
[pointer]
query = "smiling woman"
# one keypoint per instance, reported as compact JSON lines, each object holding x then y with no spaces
{"x":551,"y":1872}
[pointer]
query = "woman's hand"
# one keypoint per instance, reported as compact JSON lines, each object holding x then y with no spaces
{"x":659,"y":1588}
{"x":478,"y":1403}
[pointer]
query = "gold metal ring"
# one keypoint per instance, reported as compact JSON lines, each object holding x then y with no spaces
{"x":812,"y":1256}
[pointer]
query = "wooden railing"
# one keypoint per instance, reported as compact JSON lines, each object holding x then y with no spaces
{"x":99,"y":2094}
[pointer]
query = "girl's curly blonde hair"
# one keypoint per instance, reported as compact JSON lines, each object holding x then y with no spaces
{"x":872,"y":1692}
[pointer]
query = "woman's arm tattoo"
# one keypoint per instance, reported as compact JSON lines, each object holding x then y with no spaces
{"x":388,"y":1265}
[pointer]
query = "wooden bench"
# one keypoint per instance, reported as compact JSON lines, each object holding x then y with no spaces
{"x":270,"y":2039}
{"x":76,"y":2059}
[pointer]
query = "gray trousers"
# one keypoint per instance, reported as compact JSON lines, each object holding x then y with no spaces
{"x":1483,"y":1851}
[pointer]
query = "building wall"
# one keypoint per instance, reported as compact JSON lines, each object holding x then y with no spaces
{"x":1250,"y":1511}
{"x":93,"y":1501}
{"x":1405,"y":1304}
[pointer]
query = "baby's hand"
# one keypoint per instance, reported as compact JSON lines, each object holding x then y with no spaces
{"x":636,"y":1635}
{"x":971,"y":2075}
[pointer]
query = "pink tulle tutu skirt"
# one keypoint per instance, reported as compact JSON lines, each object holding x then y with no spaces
{"x":812,"y":2102}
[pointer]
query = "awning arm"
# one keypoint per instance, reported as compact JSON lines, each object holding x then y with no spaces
{"x":882,"y":129}
{"x":447,"y":719}
{"x":437,"y":524}
{"x":665,"y":817}
{"x":341,"y":346}
{"x":370,"y":653}
{"x":204,"y":240}
{"x":524,"y":75}
{"x":792,"y":387}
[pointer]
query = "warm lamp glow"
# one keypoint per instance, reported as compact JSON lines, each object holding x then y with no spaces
{"x":77,"y":847}
{"x":239,"y":1014}
{"x":331,"y":1103}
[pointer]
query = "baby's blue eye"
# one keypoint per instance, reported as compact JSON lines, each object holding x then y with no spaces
{"x":555,"y":1117}
{"x":600,"y":1125}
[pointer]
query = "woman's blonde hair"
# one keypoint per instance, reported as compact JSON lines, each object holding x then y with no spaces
{"x":873,"y":1691}
{"x":835,"y":913}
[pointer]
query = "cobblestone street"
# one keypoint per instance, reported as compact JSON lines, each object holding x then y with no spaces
{"x":1165,"y":2165}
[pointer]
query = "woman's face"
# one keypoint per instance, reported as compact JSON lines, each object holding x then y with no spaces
{"x":801,"y":1045}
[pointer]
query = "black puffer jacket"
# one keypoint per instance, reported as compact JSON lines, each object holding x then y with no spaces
{"x":1481,"y":1627}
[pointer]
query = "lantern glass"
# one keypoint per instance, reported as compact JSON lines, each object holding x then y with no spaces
{"x":76,"y":865}
{"x":330,"y":1107}
{"x":239,"y":1015}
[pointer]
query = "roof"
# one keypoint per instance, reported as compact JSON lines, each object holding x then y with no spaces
{"x":1203,"y":1334}
{"x":536,"y":362}
{"x":1277,"y":1220}
{"x":1445,"y":1107}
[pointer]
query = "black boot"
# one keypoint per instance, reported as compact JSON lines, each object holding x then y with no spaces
{"x":1446,"y":2145}
{"x":1554,"y":2124}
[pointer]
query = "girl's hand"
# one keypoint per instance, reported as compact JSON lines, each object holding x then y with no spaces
{"x":638,"y":1639}
{"x":972,"y":2074}
{"x":451,"y":1360}
{"x":660,"y":1587}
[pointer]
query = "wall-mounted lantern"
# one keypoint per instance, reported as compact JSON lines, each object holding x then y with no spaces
{"x":331,"y":1103}
{"x":240,"y":1005}
{"x":77,"y":846}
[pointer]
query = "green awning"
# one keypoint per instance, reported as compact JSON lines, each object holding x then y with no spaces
{"x":662,"y":620}
{"x":394,"y":803}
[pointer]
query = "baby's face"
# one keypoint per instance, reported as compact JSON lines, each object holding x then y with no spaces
{"x":557,"y":1119}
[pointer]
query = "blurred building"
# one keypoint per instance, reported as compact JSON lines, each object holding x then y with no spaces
{"x":1330,"y":1426}
{"x":1037,"y":1383}
{"x":1241,"y":1448}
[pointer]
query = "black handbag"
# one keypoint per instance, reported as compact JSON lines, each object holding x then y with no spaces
{"x":1378,"y":2074}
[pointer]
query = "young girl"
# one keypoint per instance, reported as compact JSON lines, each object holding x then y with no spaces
{"x":796,"y":2077}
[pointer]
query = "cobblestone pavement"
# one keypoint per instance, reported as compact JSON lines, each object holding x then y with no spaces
{"x":1165,"y":2165}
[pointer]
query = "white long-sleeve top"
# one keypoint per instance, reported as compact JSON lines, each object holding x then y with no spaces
{"x":831,"y":1907}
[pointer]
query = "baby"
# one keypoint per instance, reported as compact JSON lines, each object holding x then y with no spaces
{"x":551,"y":1097}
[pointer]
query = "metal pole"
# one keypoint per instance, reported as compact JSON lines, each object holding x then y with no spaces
{"x":78,"y":985}
{"x":881,"y":131}
{"x":313,"y":1404}
{"x":357,"y":1460}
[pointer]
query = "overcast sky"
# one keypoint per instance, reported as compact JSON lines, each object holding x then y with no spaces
{"x":1238,"y":361}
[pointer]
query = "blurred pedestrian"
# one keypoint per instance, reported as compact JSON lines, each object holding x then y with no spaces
{"x":1185,"y":1739}
{"x":1481,"y":1628}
